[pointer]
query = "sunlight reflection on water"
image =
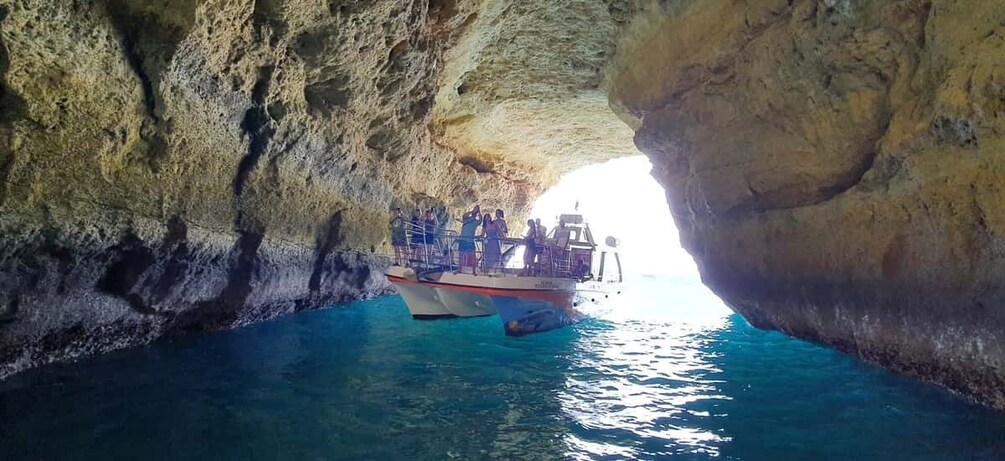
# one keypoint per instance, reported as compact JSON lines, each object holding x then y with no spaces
{"x":637,"y":371}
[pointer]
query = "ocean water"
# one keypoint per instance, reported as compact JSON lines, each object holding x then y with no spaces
{"x":664,"y":371}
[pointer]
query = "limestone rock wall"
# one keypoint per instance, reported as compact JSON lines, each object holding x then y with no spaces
{"x":836,"y":169}
{"x":523,"y":94}
{"x":179,"y":166}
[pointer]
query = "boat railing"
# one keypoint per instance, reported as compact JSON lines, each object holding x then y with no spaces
{"x":446,"y":250}
{"x":427,"y":249}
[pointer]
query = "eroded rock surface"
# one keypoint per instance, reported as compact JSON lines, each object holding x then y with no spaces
{"x":835,"y":168}
{"x":168,"y":167}
{"x":179,"y":166}
{"x":523,"y":93}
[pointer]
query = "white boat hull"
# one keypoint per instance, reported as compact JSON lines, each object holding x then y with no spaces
{"x":427,"y":300}
{"x":422,"y":300}
{"x":465,"y":304}
{"x":524,"y":304}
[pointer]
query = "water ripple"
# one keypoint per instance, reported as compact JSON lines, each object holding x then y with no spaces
{"x":664,"y":372}
{"x":642,"y":379}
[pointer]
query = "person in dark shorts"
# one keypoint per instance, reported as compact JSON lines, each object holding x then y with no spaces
{"x":398,"y":238}
{"x":415,"y":239}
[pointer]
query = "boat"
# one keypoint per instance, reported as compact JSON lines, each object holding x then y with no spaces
{"x":571,"y":271}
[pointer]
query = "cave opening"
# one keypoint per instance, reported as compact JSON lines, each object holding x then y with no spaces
{"x":620,"y":198}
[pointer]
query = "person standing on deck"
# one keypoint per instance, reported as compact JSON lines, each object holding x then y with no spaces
{"x":529,"y":248}
{"x":466,"y":240}
{"x":429,"y":234}
{"x":542,"y":231}
{"x":490,"y":249}
{"x":398,"y":239}
{"x":442,"y":241}
{"x":415,"y":227}
{"x":443,"y":218}
{"x":560,"y":250}
{"x":501,"y":227}
{"x":500,"y":230}
{"x":540,"y":242}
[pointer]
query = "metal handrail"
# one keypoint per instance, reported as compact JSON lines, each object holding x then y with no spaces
{"x":439,"y":251}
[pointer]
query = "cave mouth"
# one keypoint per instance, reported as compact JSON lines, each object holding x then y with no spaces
{"x":620,"y":198}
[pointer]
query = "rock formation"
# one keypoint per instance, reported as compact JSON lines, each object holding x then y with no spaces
{"x":524,"y":91}
{"x":833,"y":166}
{"x":179,"y":166}
{"x":168,"y":167}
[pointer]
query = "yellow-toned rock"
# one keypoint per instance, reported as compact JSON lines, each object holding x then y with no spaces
{"x":834,"y":169}
{"x":523,"y":93}
{"x":175,"y":166}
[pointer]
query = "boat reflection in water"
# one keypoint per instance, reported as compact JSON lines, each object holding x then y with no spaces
{"x":571,"y":271}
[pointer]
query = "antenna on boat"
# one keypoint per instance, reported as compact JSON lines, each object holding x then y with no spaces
{"x":576,"y":208}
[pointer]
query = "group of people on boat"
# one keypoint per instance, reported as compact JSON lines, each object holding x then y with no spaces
{"x":493,"y":230}
{"x":540,"y":250}
{"x":423,"y":241}
{"x":417,"y":239}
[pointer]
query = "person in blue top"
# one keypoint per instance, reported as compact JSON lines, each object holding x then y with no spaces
{"x":466,"y":240}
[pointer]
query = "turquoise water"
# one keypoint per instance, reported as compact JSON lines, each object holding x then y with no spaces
{"x":666,"y":372}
